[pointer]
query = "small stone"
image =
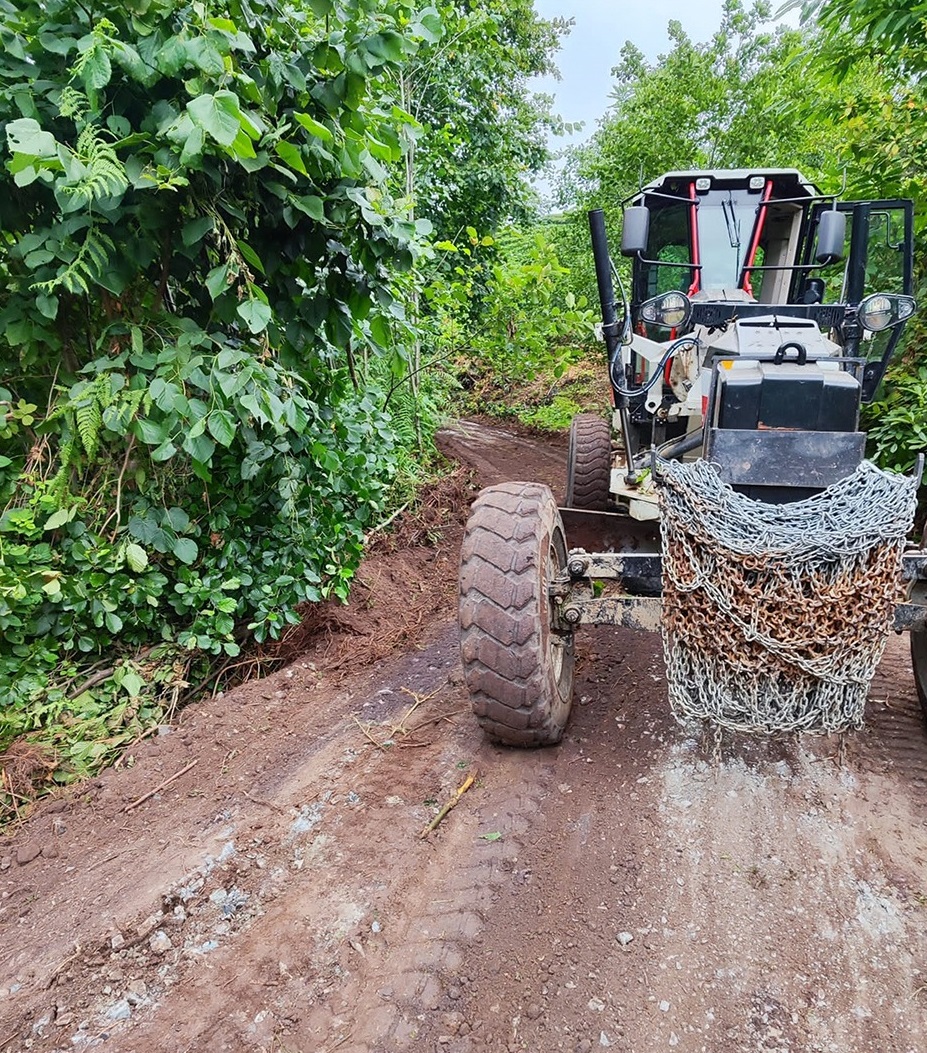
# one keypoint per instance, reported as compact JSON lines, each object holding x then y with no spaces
{"x":595,"y":1004}
{"x":6,"y":862}
{"x":444,"y":1040}
{"x":138,"y":987}
{"x":376,"y":927}
{"x":624,"y":938}
{"x":50,"y":851}
{"x":603,"y":1039}
{"x":26,"y":853}
{"x":160,"y":942}
{"x":148,"y":925}
{"x":584,"y":1045}
{"x":63,"y":1019}
{"x":117,"y":942}
{"x":664,"y":1006}
{"x":454,"y":993}
{"x":120,"y":1010}
{"x":114,"y":973}
{"x":533,"y":1011}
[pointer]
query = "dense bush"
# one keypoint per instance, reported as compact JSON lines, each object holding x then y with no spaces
{"x":202,"y":270}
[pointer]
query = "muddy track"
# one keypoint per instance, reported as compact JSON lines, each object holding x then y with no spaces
{"x":623,"y":889}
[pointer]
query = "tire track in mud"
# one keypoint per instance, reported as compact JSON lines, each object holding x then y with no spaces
{"x":355,"y":930}
{"x":895,"y":739}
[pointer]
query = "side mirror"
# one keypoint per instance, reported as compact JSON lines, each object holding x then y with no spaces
{"x":832,"y":232}
{"x":635,"y":230}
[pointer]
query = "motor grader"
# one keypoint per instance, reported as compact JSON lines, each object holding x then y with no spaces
{"x":760,"y":315}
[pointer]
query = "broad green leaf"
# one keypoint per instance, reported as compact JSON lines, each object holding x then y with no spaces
{"x":221,"y":426}
{"x":130,"y":681}
{"x":177,"y":519}
{"x":200,"y":447}
{"x":164,"y":452}
{"x":136,"y":557}
{"x":193,"y":146}
{"x":217,"y":280}
{"x":310,"y":204}
{"x":242,"y":147}
{"x":196,"y":229}
{"x":185,"y":550}
{"x":59,"y":518}
{"x":205,"y":56}
{"x":314,"y":127}
{"x":387,"y":46}
{"x":218,"y":115}
{"x":380,"y":331}
{"x":151,"y":432}
{"x":250,"y":256}
{"x":290,"y":154}
{"x":255,"y":314}
{"x":25,"y":136}
{"x":96,"y":69}
{"x":47,"y":305}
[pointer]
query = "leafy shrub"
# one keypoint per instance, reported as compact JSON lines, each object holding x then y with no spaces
{"x":202,"y":268}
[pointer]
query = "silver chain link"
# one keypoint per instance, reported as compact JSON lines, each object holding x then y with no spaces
{"x":775,"y":616}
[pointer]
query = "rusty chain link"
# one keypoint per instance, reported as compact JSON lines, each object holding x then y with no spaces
{"x":775,"y":616}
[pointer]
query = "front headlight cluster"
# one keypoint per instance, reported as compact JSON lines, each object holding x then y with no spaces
{"x":670,"y":310}
{"x":882,"y":310}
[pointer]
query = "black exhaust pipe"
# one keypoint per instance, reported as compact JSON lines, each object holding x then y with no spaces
{"x":603,"y":277}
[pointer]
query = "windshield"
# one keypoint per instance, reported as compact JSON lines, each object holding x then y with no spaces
{"x":725,"y":227}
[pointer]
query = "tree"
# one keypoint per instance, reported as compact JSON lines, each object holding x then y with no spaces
{"x":484,"y":131}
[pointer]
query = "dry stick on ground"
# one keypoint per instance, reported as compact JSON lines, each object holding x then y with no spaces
{"x":367,"y":735}
{"x":161,"y":786}
{"x":461,"y":790}
{"x":267,"y":804}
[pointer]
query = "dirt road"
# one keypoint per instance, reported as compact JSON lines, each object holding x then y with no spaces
{"x":621,"y":890}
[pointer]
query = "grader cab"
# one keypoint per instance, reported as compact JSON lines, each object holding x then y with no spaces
{"x":727,"y":499}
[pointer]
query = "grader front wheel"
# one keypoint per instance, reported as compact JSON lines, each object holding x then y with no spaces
{"x":517,"y":665}
{"x":589,"y":463}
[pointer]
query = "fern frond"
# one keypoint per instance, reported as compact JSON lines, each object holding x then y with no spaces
{"x":105,"y":173}
{"x":89,"y":421}
{"x":72,"y":103}
{"x":85,"y":268}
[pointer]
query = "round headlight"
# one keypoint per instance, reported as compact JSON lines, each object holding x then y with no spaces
{"x":670,"y":310}
{"x":875,"y":313}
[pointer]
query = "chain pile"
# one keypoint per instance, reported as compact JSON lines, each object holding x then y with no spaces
{"x":775,"y":616}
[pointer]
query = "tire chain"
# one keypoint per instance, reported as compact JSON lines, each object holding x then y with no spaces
{"x":775,"y":616}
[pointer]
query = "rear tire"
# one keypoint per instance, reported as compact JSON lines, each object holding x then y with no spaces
{"x":518,"y":670}
{"x":589,"y":463}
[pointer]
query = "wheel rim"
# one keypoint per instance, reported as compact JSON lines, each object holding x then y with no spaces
{"x":557,"y":642}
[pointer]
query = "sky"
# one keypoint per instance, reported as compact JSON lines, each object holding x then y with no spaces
{"x":592,"y":48}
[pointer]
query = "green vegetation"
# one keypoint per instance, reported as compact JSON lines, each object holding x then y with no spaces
{"x":210,"y":372}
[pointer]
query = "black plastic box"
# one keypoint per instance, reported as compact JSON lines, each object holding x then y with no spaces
{"x":789,"y":396}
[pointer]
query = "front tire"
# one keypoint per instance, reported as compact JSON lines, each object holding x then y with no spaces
{"x":518,"y":668}
{"x":589,"y":463}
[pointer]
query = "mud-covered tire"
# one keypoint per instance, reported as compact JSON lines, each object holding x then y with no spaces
{"x":919,"y":665}
{"x":589,"y":463}
{"x":519,"y":672}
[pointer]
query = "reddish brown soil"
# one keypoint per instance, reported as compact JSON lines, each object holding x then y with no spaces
{"x":621,"y":889}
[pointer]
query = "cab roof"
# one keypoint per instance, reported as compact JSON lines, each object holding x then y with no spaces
{"x":732,"y":178}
